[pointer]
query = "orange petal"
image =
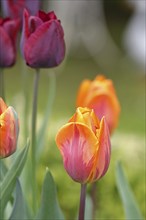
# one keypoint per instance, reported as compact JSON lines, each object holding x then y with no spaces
{"x":87,"y":117}
{"x":9,"y":128}
{"x":3,"y":106}
{"x":106,"y":105}
{"x":102,"y":158}
{"x":82,"y":93}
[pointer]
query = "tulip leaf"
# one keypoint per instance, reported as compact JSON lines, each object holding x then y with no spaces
{"x":49,"y":208}
{"x":131,"y":208}
{"x":3,"y":169}
{"x":19,"y":209}
{"x":8,"y":183}
{"x":51,"y":97}
{"x":88,"y":208}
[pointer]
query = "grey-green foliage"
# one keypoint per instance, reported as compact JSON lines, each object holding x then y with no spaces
{"x":19,"y":208}
{"x":49,"y":207}
{"x":130,"y":205}
{"x":9,"y":180}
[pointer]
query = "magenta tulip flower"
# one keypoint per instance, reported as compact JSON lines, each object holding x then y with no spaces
{"x":14,"y":8}
{"x":42,"y":40}
{"x":9,"y":29}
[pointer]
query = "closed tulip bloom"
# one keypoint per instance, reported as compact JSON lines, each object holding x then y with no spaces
{"x":85,"y":146}
{"x":9,"y":29}
{"x":9,"y":129}
{"x":100,"y":95}
{"x":42,"y":41}
{"x":14,"y":8}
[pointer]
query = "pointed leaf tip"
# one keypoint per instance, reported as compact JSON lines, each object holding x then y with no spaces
{"x":49,"y":208}
{"x":19,"y":208}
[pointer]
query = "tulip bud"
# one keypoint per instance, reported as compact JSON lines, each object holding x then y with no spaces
{"x":9,"y":129}
{"x":42,"y":41}
{"x":100,"y":95}
{"x":84,"y":143}
{"x":8,"y":35}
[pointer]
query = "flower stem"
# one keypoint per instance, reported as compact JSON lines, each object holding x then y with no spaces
{"x":33,"y":137}
{"x":25,"y":80}
{"x":2,"y":93}
{"x":82,"y":202}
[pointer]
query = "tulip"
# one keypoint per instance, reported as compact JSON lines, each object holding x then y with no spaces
{"x":85,"y":146}
{"x":14,"y":8}
{"x":100,"y":95}
{"x":9,"y":129}
{"x":8,"y":35}
{"x":42,"y":41}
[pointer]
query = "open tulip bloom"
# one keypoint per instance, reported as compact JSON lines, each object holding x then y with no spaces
{"x":9,"y":129}
{"x":100,"y":95}
{"x":42,"y":41}
{"x":84,"y":143}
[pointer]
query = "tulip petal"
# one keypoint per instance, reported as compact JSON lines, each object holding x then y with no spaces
{"x":102,"y":158}
{"x":7,"y":53}
{"x":106,"y":104}
{"x":11,"y":27}
{"x":78,"y":145}
{"x":9,"y":128}
{"x":3,"y":106}
{"x":86,"y":116}
{"x":14,"y":9}
{"x":82,"y":93}
{"x":45,"y":47}
{"x":34,"y":23}
{"x":100,"y":95}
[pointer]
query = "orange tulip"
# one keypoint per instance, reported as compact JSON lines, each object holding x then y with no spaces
{"x":100,"y":95}
{"x":9,"y":129}
{"x":85,"y":146}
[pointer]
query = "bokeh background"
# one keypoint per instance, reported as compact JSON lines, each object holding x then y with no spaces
{"x":105,"y":37}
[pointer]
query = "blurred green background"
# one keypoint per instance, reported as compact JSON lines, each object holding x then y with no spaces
{"x":85,"y":58}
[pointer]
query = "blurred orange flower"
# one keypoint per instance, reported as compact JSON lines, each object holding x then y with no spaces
{"x":9,"y":129}
{"x":84,"y":143}
{"x":100,"y":95}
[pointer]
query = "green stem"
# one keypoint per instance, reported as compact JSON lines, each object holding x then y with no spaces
{"x":33,"y":138}
{"x":2,"y":93}
{"x":82,"y":202}
{"x":49,"y":108}
{"x":25,"y":81}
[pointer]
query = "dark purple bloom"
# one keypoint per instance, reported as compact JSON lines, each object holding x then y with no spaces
{"x":14,"y":8}
{"x":8,"y":35}
{"x":42,"y":41}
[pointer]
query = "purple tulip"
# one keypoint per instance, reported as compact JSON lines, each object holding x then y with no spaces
{"x":42,"y":40}
{"x":14,"y":8}
{"x":8,"y":35}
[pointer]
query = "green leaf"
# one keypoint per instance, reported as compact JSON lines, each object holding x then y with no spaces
{"x":51,"y":97}
{"x":49,"y":208}
{"x":88,"y":208}
{"x":19,"y":209}
{"x":3,"y":169}
{"x":131,"y":208}
{"x":8,"y":183}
